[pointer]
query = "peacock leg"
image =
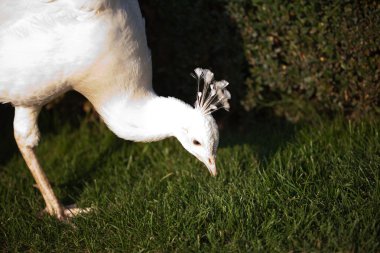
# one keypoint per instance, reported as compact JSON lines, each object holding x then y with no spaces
{"x":27,"y":136}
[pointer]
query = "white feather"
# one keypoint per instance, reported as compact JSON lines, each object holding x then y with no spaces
{"x":57,"y":46}
{"x":214,"y":95}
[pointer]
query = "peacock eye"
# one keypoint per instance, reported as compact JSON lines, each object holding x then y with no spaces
{"x":195,"y":142}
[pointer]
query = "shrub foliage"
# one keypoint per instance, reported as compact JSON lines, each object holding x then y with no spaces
{"x":310,"y":56}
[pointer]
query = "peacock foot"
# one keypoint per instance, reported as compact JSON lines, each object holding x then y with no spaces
{"x":71,"y":211}
{"x":64,"y":213}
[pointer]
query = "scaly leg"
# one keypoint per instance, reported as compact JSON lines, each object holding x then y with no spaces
{"x":27,"y":136}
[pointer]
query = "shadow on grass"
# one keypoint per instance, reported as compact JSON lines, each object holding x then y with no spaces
{"x":75,"y":185}
{"x":264,"y":135}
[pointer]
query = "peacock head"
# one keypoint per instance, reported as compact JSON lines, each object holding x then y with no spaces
{"x":200,"y":136}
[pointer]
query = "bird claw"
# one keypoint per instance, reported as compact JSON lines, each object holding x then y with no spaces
{"x":71,"y":211}
{"x":68,"y":212}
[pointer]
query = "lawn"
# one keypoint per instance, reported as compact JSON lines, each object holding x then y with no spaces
{"x":280,"y":188}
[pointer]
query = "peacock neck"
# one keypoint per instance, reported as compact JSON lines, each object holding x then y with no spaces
{"x":149,"y":119}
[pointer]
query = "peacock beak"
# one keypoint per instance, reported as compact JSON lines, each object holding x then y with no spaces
{"x":211,"y":166}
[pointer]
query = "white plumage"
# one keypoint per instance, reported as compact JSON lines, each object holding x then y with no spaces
{"x":98,"y":48}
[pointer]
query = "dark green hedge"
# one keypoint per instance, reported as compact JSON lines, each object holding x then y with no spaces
{"x":310,"y":56}
{"x":296,"y":58}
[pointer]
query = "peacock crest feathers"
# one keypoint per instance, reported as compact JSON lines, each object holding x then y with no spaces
{"x":214,"y":94}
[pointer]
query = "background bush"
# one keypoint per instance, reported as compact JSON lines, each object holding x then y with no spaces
{"x":295,"y":58}
{"x":310,"y":56}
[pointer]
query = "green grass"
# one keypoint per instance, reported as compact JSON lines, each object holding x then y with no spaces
{"x":280,"y":188}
